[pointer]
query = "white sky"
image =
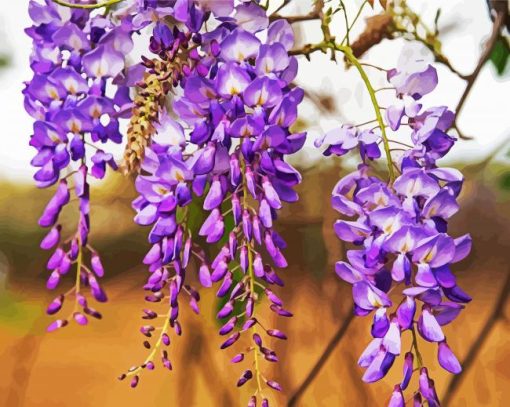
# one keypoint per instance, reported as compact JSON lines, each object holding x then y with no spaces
{"x":485,"y":116}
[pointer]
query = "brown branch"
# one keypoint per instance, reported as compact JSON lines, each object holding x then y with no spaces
{"x":438,"y":56}
{"x":284,"y":4}
{"x":496,"y":315}
{"x":324,"y":103}
{"x":322,"y":360}
{"x":315,"y":14}
{"x":496,"y":29}
{"x":377,"y":28}
{"x":308,"y":49}
{"x":296,"y":19}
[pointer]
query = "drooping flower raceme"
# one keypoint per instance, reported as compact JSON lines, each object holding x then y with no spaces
{"x":224,"y":70}
{"x":398,"y":231}
{"x":248,"y":108}
{"x":236,"y":104}
{"x":75,"y":57}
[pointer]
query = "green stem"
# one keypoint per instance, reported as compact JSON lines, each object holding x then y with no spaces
{"x":79,"y":262}
{"x":87,"y":6}
{"x":251,"y":275}
{"x":254,"y":328}
{"x":415,"y":346}
{"x":155,"y":349}
{"x":349,"y":27}
{"x":347,"y":51}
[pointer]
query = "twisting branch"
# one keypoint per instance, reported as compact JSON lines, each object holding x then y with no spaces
{"x":496,"y":315}
{"x":322,"y":360}
{"x":315,"y":14}
{"x":496,"y":29}
{"x":283,"y":5}
{"x":470,"y":79}
{"x":430,"y":39}
{"x":296,"y":19}
{"x":439,"y":56}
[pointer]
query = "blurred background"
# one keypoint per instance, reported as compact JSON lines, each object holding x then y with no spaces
{"x":78,"y":366}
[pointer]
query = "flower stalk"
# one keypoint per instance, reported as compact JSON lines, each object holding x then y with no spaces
{"x":347,"y":51}
{"x":87,"y":6}
{"x":251,"y":276}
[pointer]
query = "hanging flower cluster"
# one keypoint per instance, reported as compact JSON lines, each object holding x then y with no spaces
{"x":235,"y":103}
{"x":75,"y":57}
{"x":398,"y":232}
{"x":211,"y":110}
{"x":248,"y":106}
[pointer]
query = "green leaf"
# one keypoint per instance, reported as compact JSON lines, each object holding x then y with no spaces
{"x":504,"y":181}
{"x":499,"y":55}
{"x":4,"y":61}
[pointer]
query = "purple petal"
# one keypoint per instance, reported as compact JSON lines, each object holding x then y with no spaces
{"x":347,"y":273}
{"x":103,"y":62}
{"x":51,"y":239}
{"x":232,"y":80}
{"x":368,"y":297}
{"x":97,"y":266}
{"x":239,"y":46}
{"x":429,"y":328}
{"x":380,"y":323}
{"x":397,"y":398}
{"x":380,"y":365}
{"x":447,"y":312}
{"x":370,"y":352}
{"x":405,"y":313}
{"x":59,"y":323}
{"x":214,"y":197}
{"x":204,"y":276}
{"x":447,"y":359}
{"x":407,"y":370}
{"x":462,"y":247}
{"x":392,"y":340}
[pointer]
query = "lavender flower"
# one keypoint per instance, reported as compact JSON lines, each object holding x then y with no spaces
{"x":399,"y":233}
{"x":231,"y":90}
{"x":76,"y":56}
{"x":236,"y":102}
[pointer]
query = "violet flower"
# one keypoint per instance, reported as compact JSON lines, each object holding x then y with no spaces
{"x":76,"y":56}
{"x":237,"y":102}
{"x":399,"y":234}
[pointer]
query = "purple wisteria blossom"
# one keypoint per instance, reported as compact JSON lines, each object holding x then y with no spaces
{"x":227,"y":151}
{"x":399,"y":234}
{"x":240,"y":114}
{"x":76,"y":56}
{"x":210,"y":133}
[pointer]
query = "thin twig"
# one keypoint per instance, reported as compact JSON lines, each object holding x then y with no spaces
{"x":496,"y":315}
{"x":296,"y":19}
{"x":285,"y":3}
{"x":496,"y":29}
{"x":322,"y":360}
{"x":374,"y":66}
{"x":349,"y":27}
{"x":307,"y":49}
{"x":439,"y":57}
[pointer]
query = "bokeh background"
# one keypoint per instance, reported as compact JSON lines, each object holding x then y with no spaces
{"x":78,"y":366}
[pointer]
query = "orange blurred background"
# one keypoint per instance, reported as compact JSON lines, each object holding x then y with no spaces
{"x":77,"y":366}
